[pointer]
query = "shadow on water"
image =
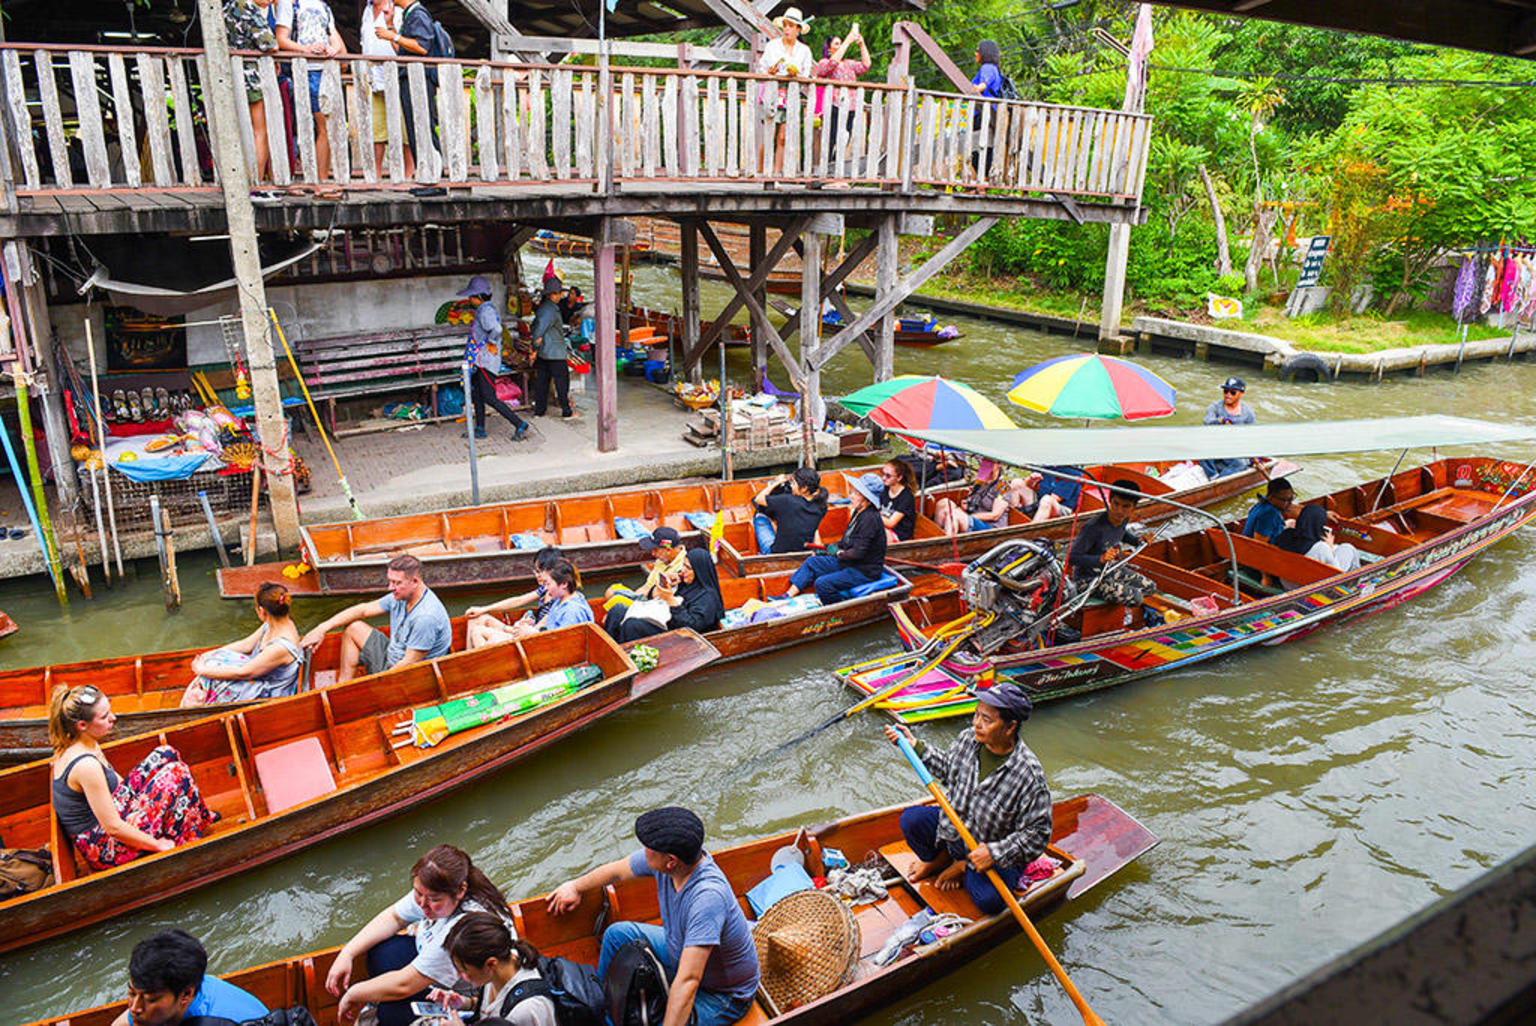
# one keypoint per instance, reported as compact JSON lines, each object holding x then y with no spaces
{"x":1308,"y":795}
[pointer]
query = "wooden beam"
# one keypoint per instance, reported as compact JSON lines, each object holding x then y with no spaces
{"x":689,"y":266}
{"x":904,"y":288}
{"x":626,"y":48}
{"x":914,"y":32}
{"x":738,"y":17}
{"x":812,"y":407}
{"x":829,"y":283}
{"x":744,"y":296}
{"x":887,"y":270}
{"x":605,"y":357}
{"x":745,"y":289}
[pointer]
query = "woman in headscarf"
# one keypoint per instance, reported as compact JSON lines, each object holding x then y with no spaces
{"x":692,"y":596}
{"x":1313,"y":538}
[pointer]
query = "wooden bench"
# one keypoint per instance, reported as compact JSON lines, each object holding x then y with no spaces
{"x":353,"y":366}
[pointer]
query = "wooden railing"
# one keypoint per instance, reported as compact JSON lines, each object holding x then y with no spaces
{"x":113,"y":118}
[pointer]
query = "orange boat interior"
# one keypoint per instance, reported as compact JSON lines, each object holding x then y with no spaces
{"x":309,"y":745}
{"x":1091,"y":840}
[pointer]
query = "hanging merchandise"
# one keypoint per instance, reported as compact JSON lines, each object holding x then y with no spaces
{"x":1509,"y":284}
{"x":1491,"y":273}
{"x":1466,"y":287}
{"x":234,"y":345}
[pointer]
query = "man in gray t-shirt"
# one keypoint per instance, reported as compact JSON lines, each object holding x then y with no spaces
{"x":704,"y":940}
{"x":419,"y":627}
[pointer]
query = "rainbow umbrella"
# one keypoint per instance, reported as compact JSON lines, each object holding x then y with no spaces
{"x":1090,"y":385}
{"x":926,"y":404}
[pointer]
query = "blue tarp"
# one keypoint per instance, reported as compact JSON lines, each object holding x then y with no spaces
{"x":162,"y":468}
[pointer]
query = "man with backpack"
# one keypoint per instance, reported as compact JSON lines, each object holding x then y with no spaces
{"x":420,"y":35}
{"x":704,"y":941}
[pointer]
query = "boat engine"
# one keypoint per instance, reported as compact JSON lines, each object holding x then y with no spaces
{"x":1019,"y":583}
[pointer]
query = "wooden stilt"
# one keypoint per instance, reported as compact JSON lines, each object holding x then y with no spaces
{"x":810,"y":336}
{"x":605,"y":359}
{"x":690,"y":270}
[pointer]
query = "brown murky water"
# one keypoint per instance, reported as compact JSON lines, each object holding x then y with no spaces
{"x":1307,"y":796}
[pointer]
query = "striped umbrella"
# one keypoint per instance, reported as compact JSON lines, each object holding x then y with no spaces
{"x":1090,"y":385}
{"x":925,"y":404}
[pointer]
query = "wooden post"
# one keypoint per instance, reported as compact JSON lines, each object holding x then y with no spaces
{"x":690,"y":272}
{"x":604,"y":358}
{"x":219,"y":93}
{"x":810,"y":336}
{"x":886,"y":273}
{"x":1120,"y":233}
{"x":46,"y":374}
{"x":757,"y":252}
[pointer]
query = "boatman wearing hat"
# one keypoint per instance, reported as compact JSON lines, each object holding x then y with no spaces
{"x":704,"y":940}
{"x":997,"y":786}
{"x":483,"y":355}
{"x":549,"y":333}
{"x":1229,"y":409}
{"x":858,"y":558}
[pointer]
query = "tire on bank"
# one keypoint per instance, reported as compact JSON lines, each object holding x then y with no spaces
{"x":1305,"y":368}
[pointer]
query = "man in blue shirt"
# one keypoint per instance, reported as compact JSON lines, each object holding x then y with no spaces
{"x":419,"y":626}
{"x":168,"y":983}
{"x":1267,"y":518}
{"x":483,"y":354}
{"x":1229,"y":409}
{"x":704,"y":940}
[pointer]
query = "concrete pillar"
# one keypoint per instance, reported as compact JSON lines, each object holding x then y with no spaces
{"x":219,"y":93}
{"x":604,"y":357}
{"x":690,"y":273}
{"x":1114,"y":280}
{"x":886,"y":274}
{"x":810,"y":333}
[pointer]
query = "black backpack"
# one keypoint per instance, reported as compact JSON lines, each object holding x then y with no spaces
{"x":636,"y":985}
{"x":442,"y":42}
{"x":573,"y":987}
{"x":1008,"y":91}
{"x":298,"y":1015}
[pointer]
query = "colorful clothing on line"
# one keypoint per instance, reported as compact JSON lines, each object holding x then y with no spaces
{"x":158,"y":797}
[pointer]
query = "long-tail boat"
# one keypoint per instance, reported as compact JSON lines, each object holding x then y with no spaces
{"x":1091,"y":840}
{"x":293,"y":772}
{"x":1214,"y":592}
{"x":930,"y":545}
{"x":146,"y":689}
{"x":671,"y":325}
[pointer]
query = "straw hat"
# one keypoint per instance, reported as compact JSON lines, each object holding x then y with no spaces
{"x":793,"y":17}
{"x":807,"y":946}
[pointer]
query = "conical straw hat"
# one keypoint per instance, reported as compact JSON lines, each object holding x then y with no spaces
{"x":807,"y":946}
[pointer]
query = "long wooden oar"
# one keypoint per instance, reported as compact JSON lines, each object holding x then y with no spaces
{"x":1004,"y":891}
{"x":357,"y":513}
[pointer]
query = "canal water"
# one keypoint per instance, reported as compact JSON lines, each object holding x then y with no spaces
{"x":1307,"y":796}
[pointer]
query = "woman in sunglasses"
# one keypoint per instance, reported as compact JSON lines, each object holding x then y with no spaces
{"x":112,"y":820}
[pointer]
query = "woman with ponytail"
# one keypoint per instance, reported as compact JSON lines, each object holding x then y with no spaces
{"x":109,"y":820}
{"x":445,"y":886}
{"x":504,"y":968}
{"x":264,"y":665}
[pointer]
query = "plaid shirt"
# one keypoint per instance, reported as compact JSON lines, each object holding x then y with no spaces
{"x":1009,"y":812}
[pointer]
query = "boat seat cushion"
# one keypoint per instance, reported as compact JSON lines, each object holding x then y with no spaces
{"x":884,"y":582}
{"x":294,"y":773}
{"x":1250,"y":581}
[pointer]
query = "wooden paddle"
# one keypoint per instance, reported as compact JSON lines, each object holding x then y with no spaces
{"x":1004,"y":891}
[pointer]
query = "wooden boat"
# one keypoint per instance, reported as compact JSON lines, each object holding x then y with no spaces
{"x":7,"y":625}
{"x":145,"y":689}
{"x":293,"y":772}
{"x":476,"y":546}
{"x":671,"y":326}
{"x":924,"y":338}
{"x":930,"y":545}
{"x":579,"y":246}
{"x":1091,"y":837}
{"x":1413,"y":530}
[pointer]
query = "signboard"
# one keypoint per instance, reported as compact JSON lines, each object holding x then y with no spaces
{"x":1312,"y":263}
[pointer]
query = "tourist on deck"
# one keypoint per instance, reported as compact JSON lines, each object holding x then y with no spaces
{"x":549,"y":334}
{"x":985,"y":506}
{"x":109,"y":820}
{"x":704,"y":940}
{"x":836,"y":105}
{"x":858,"y":558}
{"x":307,"y":27}
{"x":1098,"y":542}
{"x":485,"y":627}
{"x":784,"y":56}
{"x":265,"y":664}
{"x":169,"y":984}
{"x":1272,"y":513}
{"x":690,"y":597}
{"x":419,"y":626}
{"x":988,"y":82}
{"x":381,"y":23}
{"x":504,"y":968}
{"x":1044,"y":496}
{"x":1313,"y":538}
{"x":788,"y":511}
{"x":566,"y":604}
{"x":898,"y":501}
{"x":483,"y":353}
{"x":418,"y":37}
{"x":445,"y":886}
{"x":1229,"y":409}
{"x":248,"y":29}
{"x":997,"y":786}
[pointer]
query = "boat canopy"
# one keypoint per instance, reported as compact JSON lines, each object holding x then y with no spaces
{"x":1078,"y":446}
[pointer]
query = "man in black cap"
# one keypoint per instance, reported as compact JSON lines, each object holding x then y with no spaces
{"x":997,"y":786}
{"x":1229,"y":409}
{"x":704,"y":940}
{"x":549,"y":333}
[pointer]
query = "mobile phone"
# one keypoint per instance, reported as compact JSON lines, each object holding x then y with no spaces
{"x":432,"y":1008}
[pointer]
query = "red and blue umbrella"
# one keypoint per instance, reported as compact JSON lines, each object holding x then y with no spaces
{"x":1094,"y":386}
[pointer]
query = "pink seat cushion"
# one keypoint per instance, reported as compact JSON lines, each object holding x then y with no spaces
{"x":294,"y":773}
